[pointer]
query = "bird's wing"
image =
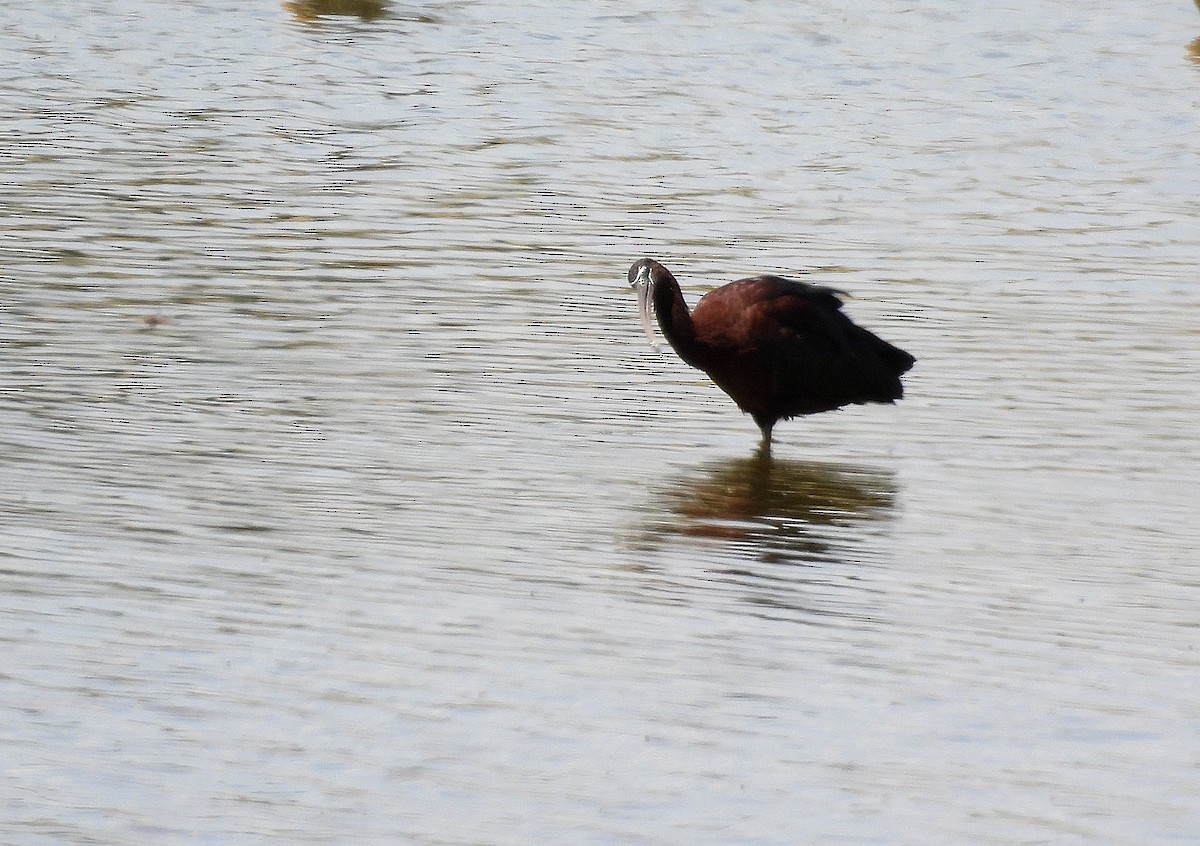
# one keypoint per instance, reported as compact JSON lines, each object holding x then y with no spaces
{"x":813,"y":349}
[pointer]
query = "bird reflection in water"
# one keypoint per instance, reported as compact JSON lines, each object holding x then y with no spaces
{"x":308,"y":11}
{"x":778,"y":509}
{"x":785,"y":538}
{"x":1194,"y":49}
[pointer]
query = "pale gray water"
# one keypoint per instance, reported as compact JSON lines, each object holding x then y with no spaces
{"x":396,"y":532}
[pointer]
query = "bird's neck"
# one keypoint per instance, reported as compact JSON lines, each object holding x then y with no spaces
{"x":673,"y":316}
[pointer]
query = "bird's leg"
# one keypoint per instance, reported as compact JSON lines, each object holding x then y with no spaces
{"x":765,"y":425}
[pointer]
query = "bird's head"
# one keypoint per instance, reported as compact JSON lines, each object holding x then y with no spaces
{"x":644,"y":274}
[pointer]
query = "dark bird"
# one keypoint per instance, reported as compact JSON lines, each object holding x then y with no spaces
{"x":779,"y":347}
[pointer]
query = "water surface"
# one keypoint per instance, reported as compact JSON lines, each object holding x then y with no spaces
{"x":343,"y":500}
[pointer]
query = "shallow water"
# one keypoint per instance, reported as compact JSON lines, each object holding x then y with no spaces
{"x":387,"y":527}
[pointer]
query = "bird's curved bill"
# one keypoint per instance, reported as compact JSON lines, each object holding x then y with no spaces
{"x":643,"y":295}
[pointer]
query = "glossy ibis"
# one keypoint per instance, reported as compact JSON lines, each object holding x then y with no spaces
{"x":779,"y":347}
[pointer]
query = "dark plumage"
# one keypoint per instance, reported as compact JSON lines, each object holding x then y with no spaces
{"x":779,"y":347}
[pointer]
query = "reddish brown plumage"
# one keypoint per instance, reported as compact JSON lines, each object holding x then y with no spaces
{"x":779,"y":347}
